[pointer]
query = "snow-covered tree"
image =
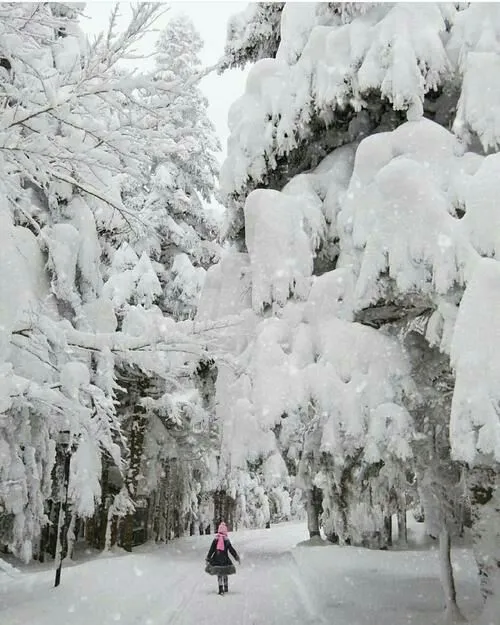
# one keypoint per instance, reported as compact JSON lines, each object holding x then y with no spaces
{"x":325,"y":102}
{"x":163,"y":265}
{"x":181,"y":178}
{"x":77,"y":308}
{"x":362,"y":158}
{"x":253,"y":34}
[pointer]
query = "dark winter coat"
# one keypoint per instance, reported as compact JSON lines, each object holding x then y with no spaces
{"x":219,"y":562}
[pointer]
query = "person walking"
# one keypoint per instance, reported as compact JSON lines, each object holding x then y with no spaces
{"x":218,"y":561}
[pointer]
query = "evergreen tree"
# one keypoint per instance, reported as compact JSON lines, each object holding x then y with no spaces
{"x":181,"y":178}
{"x":352,"y":204}
{"x":253,"y":34}
{"x":163,"y":265}
{"x":72,"y":135}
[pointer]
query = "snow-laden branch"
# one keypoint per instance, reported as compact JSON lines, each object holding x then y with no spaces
{"x":194,"y":343}
{"x":111,"y":46}
{"x":126,"y":85}
{"x":190,"y":337}
{"x":85,"y":85}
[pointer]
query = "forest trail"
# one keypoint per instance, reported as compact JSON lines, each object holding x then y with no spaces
{"x":276,"y":584}
{"x":266,"y":589}
{"x":168,"y":586}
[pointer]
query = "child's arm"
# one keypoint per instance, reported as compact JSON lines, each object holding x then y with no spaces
{"x":232,"y":551}
{"x":210,"y":551}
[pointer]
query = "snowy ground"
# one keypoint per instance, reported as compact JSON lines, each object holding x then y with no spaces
{"x":277,"y":584}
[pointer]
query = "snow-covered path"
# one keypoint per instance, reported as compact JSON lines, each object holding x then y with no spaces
{"x":167,"y":586}
{"x":275,"y":585}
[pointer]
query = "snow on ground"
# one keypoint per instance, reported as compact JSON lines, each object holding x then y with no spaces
{"x":277,"y":584}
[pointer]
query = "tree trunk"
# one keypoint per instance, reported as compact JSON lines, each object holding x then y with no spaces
{"x":59,"y":543}
{"x":71,"y":537}
{"x":89,"y":531}
{"x":313,"y":512}
{"x":53,"y":518}
{"x":484,"y":488}
{"x":127,"y":532}
{"x":402,"y":526}
{"x":47,"y":532}
{"x":152,"y":506}
{"x":137,"y":432}
{"x":223,"y":509}
{"x":162,"y":512}
{"x":102,"y":510}
{"x":387,"y":533}
{"x":453,"y":614}
{"x":62,"y":522}
{"x":108,"y":538}
{"x":192,"y":528}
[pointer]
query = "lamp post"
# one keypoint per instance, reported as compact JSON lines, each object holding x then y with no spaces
{"x":62,"y":526}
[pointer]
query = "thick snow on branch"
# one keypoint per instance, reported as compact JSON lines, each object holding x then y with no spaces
{"x":482,"y":218}
{"x":280,"y":252}
{"x":475,"y":356}
{"x":397,"y":216}
{"x":227,"y":288}
{"x":412,"y":219}
{"x":23,"y":280}
{"x":474,"y":47}
{"x":327,"y":63}
{"x":331,"y":294}
{"x":307,"y":357}
{"x":350,"y":365}
{"x":81,"y":137}
{"x":396,"y":49}
{"x":391,"y":228}
{"x":390,"y":433}
{"x":132,"y":279}
{"x":252,"y":34}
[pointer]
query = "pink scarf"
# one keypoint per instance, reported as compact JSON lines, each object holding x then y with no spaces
{"x":221,"y":535}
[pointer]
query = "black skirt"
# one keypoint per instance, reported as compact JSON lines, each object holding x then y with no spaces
{"x":213,"y":569}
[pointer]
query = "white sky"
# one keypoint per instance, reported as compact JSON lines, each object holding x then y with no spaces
{"x":210,"y":19}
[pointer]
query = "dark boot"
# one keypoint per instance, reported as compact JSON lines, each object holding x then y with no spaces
{"x":221,"y":590}
{"x":226,"y":589}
